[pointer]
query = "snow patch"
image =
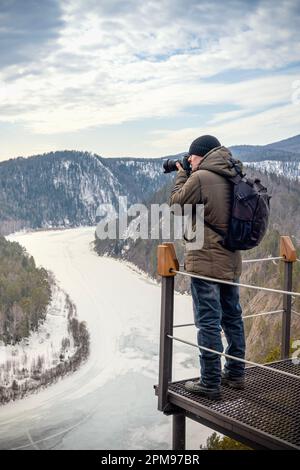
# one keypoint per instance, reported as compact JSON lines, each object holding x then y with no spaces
{"x":290,"y":170}
{"x":43,"y":348}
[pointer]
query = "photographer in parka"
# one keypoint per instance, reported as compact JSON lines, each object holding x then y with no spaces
{"x":216,"y":306}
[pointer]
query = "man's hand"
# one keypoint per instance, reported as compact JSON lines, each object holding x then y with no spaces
{"x":179,"y":166}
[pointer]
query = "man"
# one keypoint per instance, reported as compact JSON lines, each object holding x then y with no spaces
{"x":216,"y":306}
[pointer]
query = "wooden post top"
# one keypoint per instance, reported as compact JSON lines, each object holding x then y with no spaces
{"x":287,"y":249}
{"x":166,"y":260}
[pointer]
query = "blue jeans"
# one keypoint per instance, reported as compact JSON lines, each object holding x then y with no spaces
{"x":216,"y":307}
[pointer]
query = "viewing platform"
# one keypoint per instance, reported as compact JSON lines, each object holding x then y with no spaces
{"x":266,"y":414}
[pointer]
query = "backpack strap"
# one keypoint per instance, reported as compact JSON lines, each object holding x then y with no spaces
{"x":236,"y":179}
{"x":221,"y":233}
{"x":239,"y":174}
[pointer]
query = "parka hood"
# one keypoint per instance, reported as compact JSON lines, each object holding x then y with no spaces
{"x":219,"y":160}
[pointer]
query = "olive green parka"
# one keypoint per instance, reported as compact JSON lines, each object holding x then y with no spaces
{"x":209,"y":185}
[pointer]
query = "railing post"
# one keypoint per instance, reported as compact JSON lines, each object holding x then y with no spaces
{"x":288,"y":251}
{"x":167,"y":260}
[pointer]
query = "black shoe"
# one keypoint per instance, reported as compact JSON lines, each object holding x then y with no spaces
{"x":198,"y":387}
{"x":234,"y":382}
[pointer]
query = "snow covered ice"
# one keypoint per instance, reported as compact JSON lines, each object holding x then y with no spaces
{"x":109,"y":403}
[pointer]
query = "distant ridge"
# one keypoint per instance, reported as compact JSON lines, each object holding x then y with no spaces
{"x":292,"y":144}
{"x":286,"y":150}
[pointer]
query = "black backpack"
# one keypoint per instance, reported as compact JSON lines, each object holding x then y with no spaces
{"x":249,"y":214}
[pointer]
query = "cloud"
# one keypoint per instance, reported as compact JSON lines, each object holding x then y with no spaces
{"x":27,"y":28}
{"x":74,"y":64}
{"x":259,"y":128}
{"x":128,"y":101}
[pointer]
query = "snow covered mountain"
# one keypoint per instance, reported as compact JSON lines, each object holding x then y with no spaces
{"x":65,"y":188}
{"x":290,"y":170}
{"x":281,"y":158}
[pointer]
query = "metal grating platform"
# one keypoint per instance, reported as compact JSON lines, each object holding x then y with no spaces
{"x":267,"y":412}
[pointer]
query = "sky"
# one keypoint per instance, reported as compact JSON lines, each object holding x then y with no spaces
{"x":125,"y":78}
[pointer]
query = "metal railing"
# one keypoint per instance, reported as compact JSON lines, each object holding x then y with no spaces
{"x":245,"y":317}
{"x":270,"y":258}
{"x":238,"y":284}
{"x":228,"y":356}
{"x":168,"y":267}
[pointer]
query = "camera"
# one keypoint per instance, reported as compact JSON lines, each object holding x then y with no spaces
{"x":170,"y":165}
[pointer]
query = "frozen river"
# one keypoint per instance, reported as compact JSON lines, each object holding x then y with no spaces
{"x":109,"y":402}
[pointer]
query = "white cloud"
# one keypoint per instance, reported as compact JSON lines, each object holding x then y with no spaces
{"x":123,"y":101}
{"x":260,"y":128}
{"x":115,"y":62}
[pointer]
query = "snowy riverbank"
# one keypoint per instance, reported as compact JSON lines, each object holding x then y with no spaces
{"x":47,"y":354}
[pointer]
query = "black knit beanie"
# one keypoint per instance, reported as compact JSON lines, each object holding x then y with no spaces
{"x":203,"y":145}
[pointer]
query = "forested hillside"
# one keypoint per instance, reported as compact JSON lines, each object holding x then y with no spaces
{"x":41,"y":338}
{"x":64,"y":189}
{"x":25,"y":292}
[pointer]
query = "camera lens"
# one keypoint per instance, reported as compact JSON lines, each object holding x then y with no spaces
{"x":169,"y":166}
